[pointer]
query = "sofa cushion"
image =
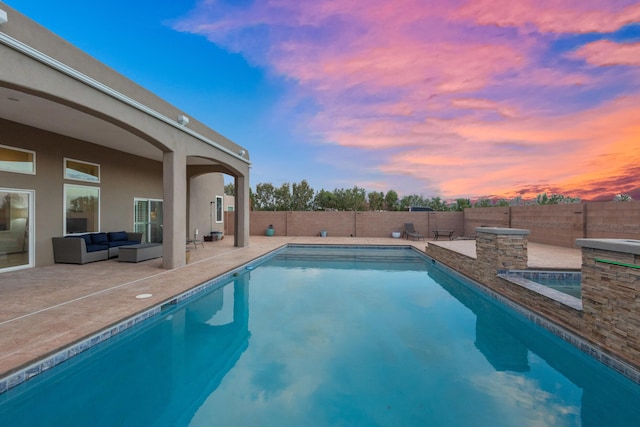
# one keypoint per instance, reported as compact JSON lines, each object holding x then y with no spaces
{"x":86,"y":237}
{"x":95,"y":248}
{"x":121,"y":243}
{"x":99,"y":238}
{"x":117,"y":236}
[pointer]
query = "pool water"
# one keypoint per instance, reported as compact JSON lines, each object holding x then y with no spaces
{"x":571,"y":287}
{"x":331,"y":337}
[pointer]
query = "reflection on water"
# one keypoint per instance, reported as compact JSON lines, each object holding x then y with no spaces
{"x":336,"y":341}
{"x":158,"y":375}
{"x":506,"y":340}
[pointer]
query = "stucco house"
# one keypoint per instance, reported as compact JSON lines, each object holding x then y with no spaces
{"x":83,"y":148}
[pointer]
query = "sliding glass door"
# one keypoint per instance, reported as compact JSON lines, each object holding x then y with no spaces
{"x":16,"y":229}
{"x":148,"y":219}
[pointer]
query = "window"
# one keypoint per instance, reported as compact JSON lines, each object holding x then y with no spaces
{"x":81,"y":171}
{"x":82,"y":209}
{"x":17,"y":160}
{"x":219,"y":200}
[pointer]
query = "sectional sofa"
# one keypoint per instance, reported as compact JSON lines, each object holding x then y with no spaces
{"x":84,"y":248}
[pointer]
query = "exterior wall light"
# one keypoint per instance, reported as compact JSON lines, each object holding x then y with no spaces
{"x":183,"y":120}
{"x":242,"y":153}
{"x":3,"y":17}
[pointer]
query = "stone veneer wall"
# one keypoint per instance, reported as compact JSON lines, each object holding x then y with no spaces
{"x":610,"y":315}
{"x":611,"y":295}
{"x":498,"y":249}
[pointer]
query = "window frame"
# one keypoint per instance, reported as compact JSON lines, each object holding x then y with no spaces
{"x":219,"y":209}
{"x":71,"y":178}
{"x":64,"y":209}
{"x":23,"y":150}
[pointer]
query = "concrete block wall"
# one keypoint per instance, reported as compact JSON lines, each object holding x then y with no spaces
{"x":486,"y":217}
{"x":260,"y":220}
{"x":612,"y":220}
{"x":335,"y":223}
{"x":558,"y":225}
{"x":356,"y":224}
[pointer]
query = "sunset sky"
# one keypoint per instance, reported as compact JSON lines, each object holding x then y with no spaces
{"x":494,"y":98}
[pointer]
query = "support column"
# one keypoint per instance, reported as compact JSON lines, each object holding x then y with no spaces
{"x":242,"y":211}
{"x":174,"y":209}
{"x":501,"y":248}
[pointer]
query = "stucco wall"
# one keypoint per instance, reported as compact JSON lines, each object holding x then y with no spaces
{"x":122,"y":178}
{"x":203,"y":190}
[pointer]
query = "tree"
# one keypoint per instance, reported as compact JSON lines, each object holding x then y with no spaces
{"x":265,"y":197}
{"x":483,"y":203}
{"x":324,"y":200}
{"x":302,"y":196}
{"x":437,"y":204}
{"x":460,"y":205}
{"x":622,"y":198}
{"x":283,"y":197}
{"x":354,"y":199}
{"x":376,"y":201}
{"x":229,"y":189}
{"x":412,"y":200}
{"x":555,"y":199}
{"x":391,"y":200}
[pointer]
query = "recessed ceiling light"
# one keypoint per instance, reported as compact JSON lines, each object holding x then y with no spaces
{"x":143,"y":296}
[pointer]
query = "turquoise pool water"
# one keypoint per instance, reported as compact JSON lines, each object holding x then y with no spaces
{"x":331,"y":337}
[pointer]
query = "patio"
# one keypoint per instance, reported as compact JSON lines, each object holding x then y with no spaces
{"x":45,"y":309}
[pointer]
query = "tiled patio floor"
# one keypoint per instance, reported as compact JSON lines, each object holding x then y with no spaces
{"x":48,"y":308}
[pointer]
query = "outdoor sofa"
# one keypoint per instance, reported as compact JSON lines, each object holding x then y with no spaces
{"x":84,"y":248}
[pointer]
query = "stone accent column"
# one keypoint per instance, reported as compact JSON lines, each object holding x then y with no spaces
{"x":501,"y":249}
{"x":611,"y":294}
{"x":174,"y":209}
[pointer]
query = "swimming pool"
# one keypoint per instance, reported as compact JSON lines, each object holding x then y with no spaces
{"x":328,"y":336}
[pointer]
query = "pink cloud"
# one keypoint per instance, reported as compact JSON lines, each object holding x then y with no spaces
{"x":605,"y":52}
{"x":458,"y":93}
{"x":553,"y":16}
{"x":574,"y":152}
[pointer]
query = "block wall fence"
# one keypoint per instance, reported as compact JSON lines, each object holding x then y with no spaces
{"x":558,"y":225}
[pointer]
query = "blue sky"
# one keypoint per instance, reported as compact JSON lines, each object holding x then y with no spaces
{"x":449,"y":99}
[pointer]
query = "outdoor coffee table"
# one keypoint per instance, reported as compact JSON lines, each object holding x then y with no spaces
{"x":438,"y":233}
{"x":141,"y":252}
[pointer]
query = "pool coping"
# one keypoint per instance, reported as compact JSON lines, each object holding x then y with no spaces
{"x":518,"y":277}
